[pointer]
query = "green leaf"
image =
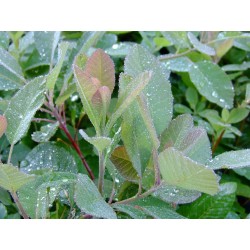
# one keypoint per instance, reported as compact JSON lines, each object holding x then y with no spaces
{"x":107,"y":41}
{"x":22,"y":108}
{"x":232,"y":159}
{"x":243,"y":172}
{"x":183,"y":136}
{"x":247,"y":98}
{"x":161,"y":42}
{"x":237,"y":115}
{"x":100,"y":142}
{"x":11,"y":76}
{"x":158,"y":90}
{"x":3,"y":125}
{"x":178,"y":38}
{"x":3,"y":211}
{"x":150,"y":206}
{"x":236,"y":67}
{"x":121,"y":161}
{"x":212,"y":207}
{"x":130,"y":210}
{"x":156,"y":208}
{"x":71,"y":89}
{"x":90,"y":201}
{"x":38,"y":196}
{"x":4,"y":40}
{"x":5,"y":197}
{"x":133,"y":89}
{"x":11,"y":178}
{"x":53,"y":75}
{"x":192,"y":97}
{"x":182,"y":109}
{"x":51,"y":156}
{"x":203,"y":48}
{"x":181,"y":171}
{"x":46,"y":43}
{"x":212,"y":83}
{"x":225,"y":114}
{"x":180,"y":64}
{"x":176,"y":195}
{"x":120,"y":49}
{"x":45,"y":133}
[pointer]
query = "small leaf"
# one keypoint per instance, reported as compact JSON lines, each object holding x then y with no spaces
{"x":225,"y":114}
{"x":180,"y":64}
{"x":3,"y":125}
{"x":90,"y":201}
{"x":247,"y":98}
{"x":192,"y":97}
{"x":238,"y":114}
{"x":120,"y":49}
{"x":11,"y":76}
{"x":212,"y":207}
{"x":100,"y":142}
{"x":123,"y":164}
{"x":53,"y":75}
{"x":212,"y":83}
{"x":182,"y":109}
{"x":45,"y":133}
{"x":232,"y":159}
{"x":101,"y":67}
{"x":22,"y":108}
{"x":181,"y":171}
{"x":12,"y":179}
{"x":203,"y":48}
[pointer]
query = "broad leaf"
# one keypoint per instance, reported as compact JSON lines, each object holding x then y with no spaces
{"x":11,"y":76}
{"x":50,"y":156}
{"x":38,"y":196}
{"x":90,"y":201}
{"x":233,"y":159}
{"x":183,"y":136}
{"x":12,"y":179}
{"x":236,"y":67}
{"x":120,"y":49}
{"x":179,"y":170}
{"x":45,"y":133}
{"x":203,"y":48}
{"x":212,"y":207}
{"x":52,"y":77}
{"x":100,"y":142}
{"x":213,"y":83}
{"x":123,"y":164}
{"x":22,"y":108}
{"x":158,"y":90}
{"x":179,"y":64}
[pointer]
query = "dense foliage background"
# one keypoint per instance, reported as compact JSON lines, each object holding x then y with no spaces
{"x":209,"y":75}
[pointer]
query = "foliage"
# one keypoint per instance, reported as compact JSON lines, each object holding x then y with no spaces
{"x":124,"y":125}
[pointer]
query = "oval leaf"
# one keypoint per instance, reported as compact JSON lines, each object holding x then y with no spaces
{"x":181,"y":171}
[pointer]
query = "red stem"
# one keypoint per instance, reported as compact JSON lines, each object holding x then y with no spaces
{"x":218,"y":141}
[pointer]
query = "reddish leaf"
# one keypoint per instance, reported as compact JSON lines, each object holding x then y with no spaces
{"x":101,"y":67}
{"x":3,"y":125}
